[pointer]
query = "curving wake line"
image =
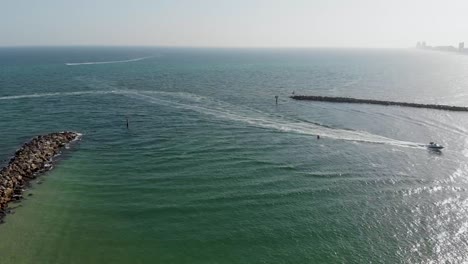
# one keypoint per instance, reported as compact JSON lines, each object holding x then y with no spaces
{"x":105,"y":62}
{"x":242,"y":114}
{"x":57,"y":94}
{"x":257,"y":118}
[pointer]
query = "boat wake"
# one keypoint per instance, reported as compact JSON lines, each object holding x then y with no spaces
{"x":57,"y":94}
{"x":257,"y":118}
{"x":241,"y":114}
{"x":106,"y":62}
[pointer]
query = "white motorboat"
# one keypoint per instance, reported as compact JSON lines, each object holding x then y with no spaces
{"x":433,"y":145}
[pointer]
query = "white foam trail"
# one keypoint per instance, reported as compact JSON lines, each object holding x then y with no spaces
{"x":226,"y":111}
{"x":258,"y":118}
{"x":105,"y":62}
{"x":57,"y":94}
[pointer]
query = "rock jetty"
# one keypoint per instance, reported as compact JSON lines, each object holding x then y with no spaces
{"x":377,"y":102}
{"x":32,"y":159}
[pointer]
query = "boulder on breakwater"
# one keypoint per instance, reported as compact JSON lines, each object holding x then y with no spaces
{"x":32,"y":159}
{"x":377,"y":102}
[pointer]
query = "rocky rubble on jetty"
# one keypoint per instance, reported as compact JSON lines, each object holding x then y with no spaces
{"x":32,"y":159}
{"x":377,"y":102}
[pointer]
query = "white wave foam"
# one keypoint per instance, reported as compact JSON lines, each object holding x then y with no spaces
{"x":242,"y":114}
{"x":253,"y":117}
{"x":105,"y":62}
{"x":57,"y":94}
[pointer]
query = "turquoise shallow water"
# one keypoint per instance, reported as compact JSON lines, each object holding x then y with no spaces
{"x":211,"y":171}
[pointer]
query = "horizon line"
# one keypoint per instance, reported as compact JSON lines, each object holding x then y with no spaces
{"x":196,"y":47}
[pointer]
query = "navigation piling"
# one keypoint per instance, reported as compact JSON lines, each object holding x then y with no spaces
{"x":276,"y":97}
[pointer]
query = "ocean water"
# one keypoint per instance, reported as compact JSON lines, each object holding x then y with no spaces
{"x":212,"y":171}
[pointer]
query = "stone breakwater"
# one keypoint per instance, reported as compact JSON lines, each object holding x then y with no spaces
{"x":32,"y":159}
{"x":377,"y":102}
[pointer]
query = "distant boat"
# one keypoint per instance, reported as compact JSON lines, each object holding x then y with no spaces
{"x":433,"y":145}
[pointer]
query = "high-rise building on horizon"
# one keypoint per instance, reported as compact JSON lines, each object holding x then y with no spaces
{"x":421,"y":44}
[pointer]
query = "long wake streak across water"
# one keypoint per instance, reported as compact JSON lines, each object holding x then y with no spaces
{"x":256,"y":118}
{"x":241,"y":114}
{"x":105,"y":62}
{"x":57,"y":94}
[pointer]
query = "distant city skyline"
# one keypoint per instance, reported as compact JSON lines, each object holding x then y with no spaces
{"x":242,"y":23}
{"x":460,"y":47}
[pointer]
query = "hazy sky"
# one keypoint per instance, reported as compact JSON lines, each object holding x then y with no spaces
{"x":234,"y":23}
